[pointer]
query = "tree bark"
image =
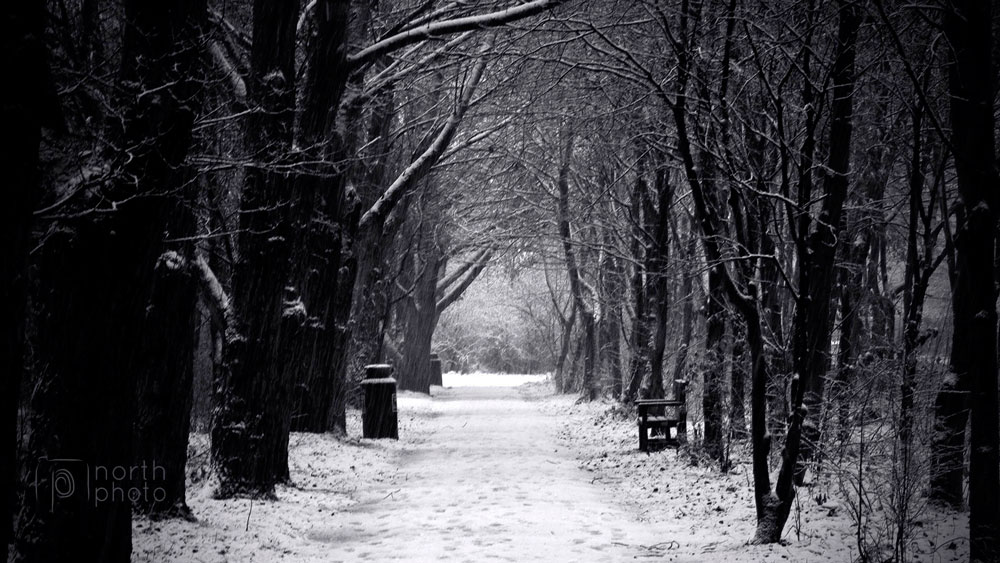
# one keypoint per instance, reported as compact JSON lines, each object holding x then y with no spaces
{"x":639,"y":361}
{"x":325,"y":217}
{"x":613,"y":289}
{"x":371,"y":296}
{"x":564,"y":378}
{"x":420,"y":313}
{"x":687,"y":309}
{"x":737,"y":387}
{"x":251,"y":421}
{"x":566,"y":325}
{"x":713,"y":371}
{"x":658,"y":281}
{"x":164,"y":384}
{"x":968,"y":30}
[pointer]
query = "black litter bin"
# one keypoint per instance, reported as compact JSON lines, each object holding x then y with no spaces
{"x":436,"y":370}
{"x":378,"y":420}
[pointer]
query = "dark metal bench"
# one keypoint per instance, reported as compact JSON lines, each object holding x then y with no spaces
{"x":667,"y":417}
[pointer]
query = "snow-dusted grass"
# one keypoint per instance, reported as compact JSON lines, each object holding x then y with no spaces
{"x":704,"y":515}
{"x":329,"y":475}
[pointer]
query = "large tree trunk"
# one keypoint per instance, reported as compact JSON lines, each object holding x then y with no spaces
{"x":951,"y":415}
{"x":588,"y":381}
{"x":95,"y":280}
{"x":414,"y":369}
{"x":164,"y":384}
{"x":336,"y":289}
{"x":420,"y":314}
{"x":968,"y":30}
{"x":716,"y":317}
{"x":371,"y":298}
{"x":251,"y":421}
{"x":566,"y":324}
{"x":371,"y":295}
{"x":25,"y":105}
{"x":325,"y":224}
{"x":709,"y":214}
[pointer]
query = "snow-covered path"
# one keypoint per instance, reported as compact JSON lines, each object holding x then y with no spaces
{"x":483,"y":478}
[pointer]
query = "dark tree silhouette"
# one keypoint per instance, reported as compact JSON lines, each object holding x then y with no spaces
{"x":25,"y":107}
{"x":95,"y":278}
{"x":968,"y":27}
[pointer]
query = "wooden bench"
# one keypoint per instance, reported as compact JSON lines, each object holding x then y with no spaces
{"x":669,"y":416}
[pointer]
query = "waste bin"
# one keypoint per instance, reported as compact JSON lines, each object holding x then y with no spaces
{"x":435,"y":370}
{"x":379,"y":420}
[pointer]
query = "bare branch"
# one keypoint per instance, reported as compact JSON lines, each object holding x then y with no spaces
{"x":457,"y":25}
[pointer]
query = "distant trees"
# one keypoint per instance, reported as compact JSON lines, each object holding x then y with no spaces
{"x":501,"y":324}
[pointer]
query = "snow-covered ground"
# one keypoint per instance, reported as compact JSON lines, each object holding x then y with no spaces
{"x":493,"y":467}
{"x":705,"y":515}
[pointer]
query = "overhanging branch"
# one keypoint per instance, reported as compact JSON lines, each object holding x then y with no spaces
{"x":456,"y":25}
